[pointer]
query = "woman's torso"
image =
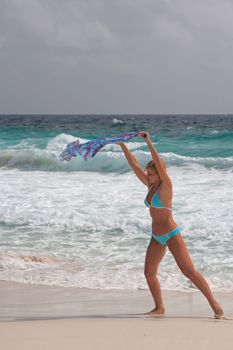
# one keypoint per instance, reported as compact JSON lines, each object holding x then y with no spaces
{"x":162,"y":219}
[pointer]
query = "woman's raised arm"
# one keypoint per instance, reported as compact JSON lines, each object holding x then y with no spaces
{"x":156,"y":158}
{"x":134,"y":164}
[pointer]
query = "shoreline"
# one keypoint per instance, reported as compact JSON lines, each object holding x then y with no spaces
{"x":39,"y":302}
{"x":42,"y":317}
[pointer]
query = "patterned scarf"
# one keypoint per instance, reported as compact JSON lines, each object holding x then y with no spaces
{"x":89,"y":149}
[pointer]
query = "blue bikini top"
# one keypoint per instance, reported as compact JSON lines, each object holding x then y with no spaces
{"x":155,"y":201}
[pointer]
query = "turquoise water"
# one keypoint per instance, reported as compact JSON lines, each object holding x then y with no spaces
{"x":202,"y":136}
{"x":195,"y":137}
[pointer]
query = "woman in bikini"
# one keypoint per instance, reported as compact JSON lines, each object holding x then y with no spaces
{"x":165,"y":232}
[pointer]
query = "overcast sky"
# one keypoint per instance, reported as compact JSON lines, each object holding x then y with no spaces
{"x":116,"y":56}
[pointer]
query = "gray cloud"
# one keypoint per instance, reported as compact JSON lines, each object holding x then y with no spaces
{"x":105,"y":56}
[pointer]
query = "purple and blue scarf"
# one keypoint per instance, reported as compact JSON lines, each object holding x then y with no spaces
{"x":89,"y":149}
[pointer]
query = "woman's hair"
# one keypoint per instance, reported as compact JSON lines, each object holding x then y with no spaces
{"x":151,"y":165}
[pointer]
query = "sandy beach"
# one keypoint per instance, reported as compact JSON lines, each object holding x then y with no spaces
{"x":54,"y":318}
{"x":168,"y":333}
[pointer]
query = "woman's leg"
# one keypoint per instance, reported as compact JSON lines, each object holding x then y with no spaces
{"x":154,"y":255}
{"x":180,"y":252}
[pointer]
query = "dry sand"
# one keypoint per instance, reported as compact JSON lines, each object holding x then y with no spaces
{"x":40,"y":317}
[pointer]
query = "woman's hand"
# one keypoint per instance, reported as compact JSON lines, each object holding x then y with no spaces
{"x":145,"y":135}
{"x":120,"y":143}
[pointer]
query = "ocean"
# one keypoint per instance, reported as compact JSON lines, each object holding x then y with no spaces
{"x":84,"y":224}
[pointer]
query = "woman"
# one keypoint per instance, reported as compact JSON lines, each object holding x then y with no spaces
{"x":165,"y":232}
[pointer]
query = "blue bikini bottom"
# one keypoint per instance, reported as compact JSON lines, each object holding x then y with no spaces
{"x":162,"y":239}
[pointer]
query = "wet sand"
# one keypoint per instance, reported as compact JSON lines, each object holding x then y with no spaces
{"x":45,"y":317}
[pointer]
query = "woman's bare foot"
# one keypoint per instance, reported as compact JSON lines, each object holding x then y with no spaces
{"x":217,"y":310}
{"x":156,"y":312}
